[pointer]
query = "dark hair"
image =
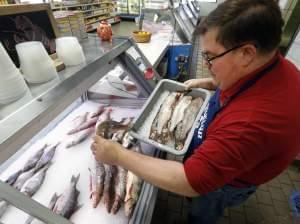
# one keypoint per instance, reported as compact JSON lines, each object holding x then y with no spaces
{"x":239,"y":21}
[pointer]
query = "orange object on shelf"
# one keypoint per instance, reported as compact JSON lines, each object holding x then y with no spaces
{"x":104,"y":31}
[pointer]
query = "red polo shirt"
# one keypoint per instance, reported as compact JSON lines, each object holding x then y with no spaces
{"x":255,"y":137}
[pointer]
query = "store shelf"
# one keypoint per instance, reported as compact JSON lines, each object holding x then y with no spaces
{"x":98,"y":14}
{"x":92,"y":12}
{"x":80,"y":5}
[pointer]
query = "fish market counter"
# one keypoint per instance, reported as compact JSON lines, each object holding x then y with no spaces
{"x":47,"y":170}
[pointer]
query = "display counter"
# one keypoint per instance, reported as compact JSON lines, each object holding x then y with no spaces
{"x":44,"y":115}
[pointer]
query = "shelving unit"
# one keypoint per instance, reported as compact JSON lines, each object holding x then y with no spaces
{"x":93,"y":12}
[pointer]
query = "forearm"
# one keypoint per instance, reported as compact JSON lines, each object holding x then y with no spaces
{"x":208,"y":83}
{"x":165,"y":174}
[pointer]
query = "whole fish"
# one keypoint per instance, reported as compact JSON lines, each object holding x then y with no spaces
{"x":31,"y":186}
{"x":178,"y":113}
{"x":101,"y":129}
{"x":99,"y":111}
{"x":12,"y":178}
{"x":97,"y":175}
{"x":120,"y":189}
{"x":77,"y":121}
{"x":133,"y":188}
{"x":34,"y":159}
{"x":109,"y":127}
{"x":23,"y":178}
{"x":3,"y":207}
{"x":32,"y":220}
{"x":66,"y":204}
{"x":46,"y":157}
{"x":80,"y":137}
{"x":186,"y":124}
{"x":89,"y":123}
{"x":110,"y":172}
{"x":163,"y":117}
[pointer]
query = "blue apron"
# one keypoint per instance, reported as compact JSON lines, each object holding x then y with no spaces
{"x":213,"y":107}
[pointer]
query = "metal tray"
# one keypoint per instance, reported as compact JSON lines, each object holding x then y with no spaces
{"x":147,"y":111}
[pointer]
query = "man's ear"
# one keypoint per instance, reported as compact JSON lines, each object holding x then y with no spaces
{"x":248,"y":52}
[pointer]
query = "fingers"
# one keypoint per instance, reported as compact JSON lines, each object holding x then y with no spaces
{"x":98,"y":139}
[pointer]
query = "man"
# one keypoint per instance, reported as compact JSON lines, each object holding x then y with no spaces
{"x":251,"y":129}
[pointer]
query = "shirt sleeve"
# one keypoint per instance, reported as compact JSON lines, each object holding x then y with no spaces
{"x":225,"y":154}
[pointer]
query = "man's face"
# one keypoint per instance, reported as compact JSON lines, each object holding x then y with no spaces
{"x":224,"y":69}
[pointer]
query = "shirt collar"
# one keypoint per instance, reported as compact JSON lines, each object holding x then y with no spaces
{"x":226,"y":94}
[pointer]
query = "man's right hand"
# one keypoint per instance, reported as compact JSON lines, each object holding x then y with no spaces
{"x":205,"y":83}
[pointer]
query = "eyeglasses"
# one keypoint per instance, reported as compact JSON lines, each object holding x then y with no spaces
{"x":210,"y":59}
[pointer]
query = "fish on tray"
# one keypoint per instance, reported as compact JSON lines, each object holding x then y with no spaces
{"x":110,"y":173}
{"x":66,"y":203}
{"x":78,"y":121}
{"x":32,"y":185}
{"x":34,"y":159}
{"x":119,"y":189}
{"x":133,"y":188}
{"x":186,"y":124}
{"x":80,"y":137}
{"x":13,"y":177}
{"x":99,"y":111}
{"x":23,"y":178}
{"x":89,"y":123}
{"x":46,"y":157}
{"x":179,"y":110}
{"x":97,"y":175}
{"x":159,"y":129}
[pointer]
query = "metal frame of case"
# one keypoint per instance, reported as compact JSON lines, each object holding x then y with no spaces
{"x":21,"y":121}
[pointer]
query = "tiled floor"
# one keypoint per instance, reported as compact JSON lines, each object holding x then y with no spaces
{"x":269,"y":205}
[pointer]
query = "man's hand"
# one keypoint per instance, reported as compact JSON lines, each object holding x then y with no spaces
{"x":205,"y":83}
{"x":106,"y":151}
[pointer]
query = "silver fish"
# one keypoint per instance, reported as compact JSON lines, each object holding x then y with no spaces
{"x":12,"y":178}
{"x":178,"y":112}
{"x":186,"y":124}
{"x":133,"y":188}
{"x":80,"y":137}
{"x":3,"y":207}
{"x":23,"y":178}
{"x":66,"y":204}
{"x":31,"y":186}
{"x":89,"y":123}
{"x":110,"y":172}
{"x":32,"y":220}
{"x":79,"y":120}
{"x":102,"y":129}
{"x":99,"y":111}
{"x":97,"y":175}
{"x":163,"y":117}
{"x":34,"y":159}
{"x":46,"y":157}
{"x":120,"y":189}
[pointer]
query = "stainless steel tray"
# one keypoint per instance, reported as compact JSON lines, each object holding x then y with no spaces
{"x":151,"y":105}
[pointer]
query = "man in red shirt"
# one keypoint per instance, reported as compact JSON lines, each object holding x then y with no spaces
{"x":249,"y":132}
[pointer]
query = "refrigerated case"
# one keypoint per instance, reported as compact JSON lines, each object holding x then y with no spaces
{"x":44,"y":114}
{"x":128,"y":8}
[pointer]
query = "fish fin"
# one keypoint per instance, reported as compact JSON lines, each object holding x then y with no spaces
{"x":75,"y":179}
{"x":53,"y":201}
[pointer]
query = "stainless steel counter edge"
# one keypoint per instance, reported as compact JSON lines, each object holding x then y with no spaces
{"x":19,"y":127}
{"x":18,"y":199}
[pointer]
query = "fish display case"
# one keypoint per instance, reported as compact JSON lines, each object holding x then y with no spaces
{"x":37,"y":131}
{"x":187,"y":22}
